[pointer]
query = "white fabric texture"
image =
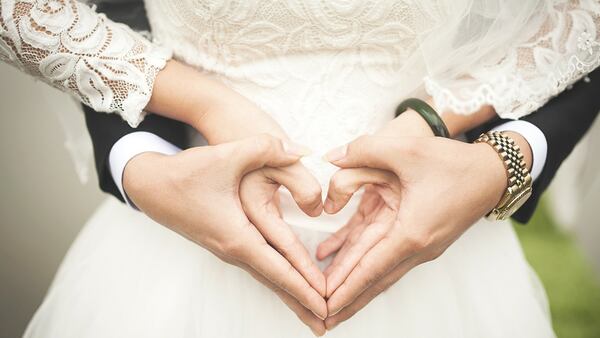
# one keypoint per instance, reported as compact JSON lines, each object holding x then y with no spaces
{"x":126,"y":276}
{"x":327,"y":71}
{"x":65,"y":43}
{"x":512,"y":54}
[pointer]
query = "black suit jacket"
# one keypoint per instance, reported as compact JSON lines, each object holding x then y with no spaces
{"x":563,"y":120}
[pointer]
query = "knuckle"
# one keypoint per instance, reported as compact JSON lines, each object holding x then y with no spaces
{"x":378,"y":289}
{"x":287,"y":246}
{"x":360,"y":143}
{"x":309,"y":194}
{"x":337,"y":182}
{"x":222,"y":153}
{"x":370,"y":278}
{"x":264,"y":144}
{"x":408,"y":147}
{"x":434,"y":254}
{"x":418,"y":241}
{"x":234,"y":248}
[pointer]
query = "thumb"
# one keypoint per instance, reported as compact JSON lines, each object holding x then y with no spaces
{"x":345,"y":182}
{"x":262,"y":151}
{"x":366,"y":151}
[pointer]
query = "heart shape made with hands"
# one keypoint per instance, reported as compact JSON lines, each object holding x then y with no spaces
{"x":376,"y":211}
{"x":380,"y":243}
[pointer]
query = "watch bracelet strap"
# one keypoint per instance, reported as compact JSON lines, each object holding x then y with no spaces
{"x":514,"y":163}
{"x":429,"y":114}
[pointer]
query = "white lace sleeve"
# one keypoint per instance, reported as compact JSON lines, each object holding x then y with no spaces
{"x":558,"y":46}
{"x":71,"y":47}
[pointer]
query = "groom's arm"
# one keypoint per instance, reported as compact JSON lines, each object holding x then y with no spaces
{"x":563,"y":121}
{"x":115,"y":140}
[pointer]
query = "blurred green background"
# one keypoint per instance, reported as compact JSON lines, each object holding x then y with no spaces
{"x":572,"y":287}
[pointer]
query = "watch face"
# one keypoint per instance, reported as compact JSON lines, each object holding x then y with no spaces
{"x":517,"y":202}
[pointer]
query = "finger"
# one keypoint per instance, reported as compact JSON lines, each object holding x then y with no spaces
{"x":303,"y":186}
{"x":368,"y":151}
{"x":367,"y":205}
{"x":347,"y":245}
{"x":373,"y":266}
{"x":334,"y":242}
{"x":346,"y":261}
{"x":368,"y":295}
{"x":345,"y":182}
{"x":284,"y":240}
{"x":259,"y":151}
{"x":269,"y":263}
{"x":316,"y":325}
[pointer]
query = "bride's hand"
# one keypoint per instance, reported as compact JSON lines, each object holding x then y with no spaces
{"x":422,"y":194}
{"x":196,"y":194}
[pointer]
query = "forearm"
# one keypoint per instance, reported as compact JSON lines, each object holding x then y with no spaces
{"x":66,"y":44}
{"x":219,"y":113}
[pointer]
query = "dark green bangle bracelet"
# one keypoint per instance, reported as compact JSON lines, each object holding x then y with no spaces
{"x":429,"y":115}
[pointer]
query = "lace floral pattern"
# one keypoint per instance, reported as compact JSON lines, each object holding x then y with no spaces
{"x":564,"y":49}
{"x":65,"y":43}
{"x":329,"y":71}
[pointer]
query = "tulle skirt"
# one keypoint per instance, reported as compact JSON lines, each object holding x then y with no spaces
{"x":127,"y":276}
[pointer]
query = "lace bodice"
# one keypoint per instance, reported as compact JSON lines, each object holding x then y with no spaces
{"x":354,"y":54}
{"x":329,"y":71}
{"x":65,"y":43}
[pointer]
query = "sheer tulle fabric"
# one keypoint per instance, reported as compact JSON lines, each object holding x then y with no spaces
{"x":127,"y":276}
{"x":514,"y":55}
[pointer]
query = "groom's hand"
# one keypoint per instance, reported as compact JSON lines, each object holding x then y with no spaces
{"x":196,"y":193}
{"x":422,"y":194}
{"x":260,"y":200}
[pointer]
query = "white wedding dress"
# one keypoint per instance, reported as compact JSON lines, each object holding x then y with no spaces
{"x":327,"y":72}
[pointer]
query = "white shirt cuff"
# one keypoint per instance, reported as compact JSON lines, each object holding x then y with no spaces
{"x":131,"y":145}
{"x":536,"y":139}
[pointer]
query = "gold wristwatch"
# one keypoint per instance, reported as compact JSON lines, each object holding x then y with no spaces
{"x":519,"y":180}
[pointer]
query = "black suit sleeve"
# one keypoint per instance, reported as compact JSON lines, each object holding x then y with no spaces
{"x":106,"y":129}
{"x":564,"y":120}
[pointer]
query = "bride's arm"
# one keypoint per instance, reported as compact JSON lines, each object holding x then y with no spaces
{"x":219,"y":113}
{"x":66,"y":44}
{"x":113,"y":69}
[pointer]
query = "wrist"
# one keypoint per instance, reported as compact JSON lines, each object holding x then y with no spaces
{"x":523,"y":146}
{"x":137,"y":172}
{"x":516,"y":188}
{"x":491,"y":171}
{"x":409,"y":123}
{"x":232,"y":117}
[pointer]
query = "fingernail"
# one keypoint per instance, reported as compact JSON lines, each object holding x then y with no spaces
{"x":295,"y":149}
{"x":336,"y":154}
{"x":319,"y":316}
